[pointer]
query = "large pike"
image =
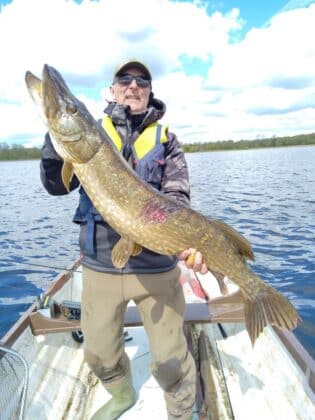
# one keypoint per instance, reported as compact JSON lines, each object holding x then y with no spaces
{"x":143,"y":216}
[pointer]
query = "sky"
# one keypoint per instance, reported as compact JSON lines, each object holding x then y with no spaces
{"x":227,"y":70}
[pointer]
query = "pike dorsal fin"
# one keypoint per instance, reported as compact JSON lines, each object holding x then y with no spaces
{"x":123,"y":250}
{"x":67,"y":174}
{"x":244,"y":247}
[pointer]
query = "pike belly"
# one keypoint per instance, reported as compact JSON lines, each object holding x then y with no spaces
{"x":132,"y":208}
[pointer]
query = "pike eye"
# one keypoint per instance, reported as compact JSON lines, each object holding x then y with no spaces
{"x":71,"y":109}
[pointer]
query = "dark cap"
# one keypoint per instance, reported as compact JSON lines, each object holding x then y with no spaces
{"x":127,"y":64}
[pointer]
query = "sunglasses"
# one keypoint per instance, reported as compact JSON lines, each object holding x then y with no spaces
{"x":126,"y":79}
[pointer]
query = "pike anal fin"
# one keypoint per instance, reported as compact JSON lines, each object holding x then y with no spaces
{"x":270,"y":308}
{"x":123,"y":250}
{"x":220,"y":280}
{"x":67,"y":174}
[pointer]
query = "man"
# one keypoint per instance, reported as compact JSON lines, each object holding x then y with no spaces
{"x":150,"y":279}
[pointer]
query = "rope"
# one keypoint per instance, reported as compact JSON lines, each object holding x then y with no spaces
{"x":37,"y":265}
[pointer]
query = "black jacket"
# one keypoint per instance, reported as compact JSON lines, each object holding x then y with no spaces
{"x":174,"y":181}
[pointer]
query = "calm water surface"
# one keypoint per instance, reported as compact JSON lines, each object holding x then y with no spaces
{"x":268,"y":195}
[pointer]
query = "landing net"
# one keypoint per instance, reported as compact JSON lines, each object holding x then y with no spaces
{"x":13,"y":384}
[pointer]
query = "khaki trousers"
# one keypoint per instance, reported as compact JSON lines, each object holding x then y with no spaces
{"x":160,"y":301}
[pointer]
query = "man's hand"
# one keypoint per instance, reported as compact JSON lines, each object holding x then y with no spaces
{"x":194,"y":260}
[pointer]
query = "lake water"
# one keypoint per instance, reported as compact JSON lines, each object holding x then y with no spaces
{"x":267,"y":194}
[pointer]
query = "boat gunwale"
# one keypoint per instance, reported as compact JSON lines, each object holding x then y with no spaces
{"x":24,"y":321}
{"x":299,"y":354}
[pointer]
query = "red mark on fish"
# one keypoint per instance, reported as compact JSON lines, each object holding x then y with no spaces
{"x":156,"y":212}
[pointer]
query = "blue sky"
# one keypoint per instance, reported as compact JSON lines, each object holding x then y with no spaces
{"x":225,"y":69}
{"x":254,"y":13}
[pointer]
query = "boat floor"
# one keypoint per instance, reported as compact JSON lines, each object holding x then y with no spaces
{"x":260,"y":383}
{"x":63,"y":387}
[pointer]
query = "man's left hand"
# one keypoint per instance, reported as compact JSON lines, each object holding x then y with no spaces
{"x":193,"y":259}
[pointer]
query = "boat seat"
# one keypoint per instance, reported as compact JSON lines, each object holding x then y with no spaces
{"x":222,"y":309}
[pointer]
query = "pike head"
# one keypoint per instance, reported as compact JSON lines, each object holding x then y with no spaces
{"x":74,"y":132}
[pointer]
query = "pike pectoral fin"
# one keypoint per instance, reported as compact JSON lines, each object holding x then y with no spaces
{"x":67,"y":174}
{"x":122,"y":251}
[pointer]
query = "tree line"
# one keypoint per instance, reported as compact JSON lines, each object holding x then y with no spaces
{"x":299,"y":140}
{"x":18,"y":152}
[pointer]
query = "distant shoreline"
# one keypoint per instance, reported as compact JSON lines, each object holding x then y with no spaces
{"x":299,"y":140}
{"x":21,"y":153}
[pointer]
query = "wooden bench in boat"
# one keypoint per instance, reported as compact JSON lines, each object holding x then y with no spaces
{"x":224,"y":309}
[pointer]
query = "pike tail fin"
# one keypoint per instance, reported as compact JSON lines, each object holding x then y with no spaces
{"x":271,"y":308}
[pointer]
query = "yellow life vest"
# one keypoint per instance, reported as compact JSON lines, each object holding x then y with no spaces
{"x":151,"y":136}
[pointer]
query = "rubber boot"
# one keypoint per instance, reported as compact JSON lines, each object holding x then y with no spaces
{"x":186,"y":416}
{"x":123,"y":397}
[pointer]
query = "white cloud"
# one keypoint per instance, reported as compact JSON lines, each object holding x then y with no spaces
{"x":285,"y":48}
{"x":253,"y":86}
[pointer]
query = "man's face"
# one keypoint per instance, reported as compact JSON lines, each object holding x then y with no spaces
{"x":135,"y":96}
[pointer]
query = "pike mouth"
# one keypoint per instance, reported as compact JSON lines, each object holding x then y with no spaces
{"x":66,"y":137}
